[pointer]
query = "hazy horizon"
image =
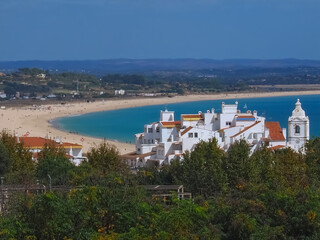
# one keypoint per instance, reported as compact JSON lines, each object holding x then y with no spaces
{"x":155,"y":59}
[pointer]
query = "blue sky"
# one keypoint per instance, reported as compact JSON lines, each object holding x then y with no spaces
{"x":105,"y":29}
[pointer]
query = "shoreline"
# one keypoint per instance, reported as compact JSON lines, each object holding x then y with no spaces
{"x":37,"y":120}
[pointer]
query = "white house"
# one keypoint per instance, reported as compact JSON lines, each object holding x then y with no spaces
{"x":36,"y":145}
{"x":169,"y":138}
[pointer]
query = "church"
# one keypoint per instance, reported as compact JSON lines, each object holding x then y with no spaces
{"x":169,"y":138}
{"x":298,"y":128}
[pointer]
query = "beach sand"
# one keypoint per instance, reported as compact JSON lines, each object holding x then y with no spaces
{"x":35,"y":120}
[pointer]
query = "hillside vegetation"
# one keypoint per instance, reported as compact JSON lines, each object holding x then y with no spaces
{"x":34,"y":82}
{"x":268,"y":195}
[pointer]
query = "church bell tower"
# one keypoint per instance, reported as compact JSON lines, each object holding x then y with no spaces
{"x":298,"y":128}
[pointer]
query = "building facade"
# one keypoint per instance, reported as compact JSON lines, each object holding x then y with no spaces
{"x":162,"y":141}
{"x":298,"y":128}
{"x":37,"y":144}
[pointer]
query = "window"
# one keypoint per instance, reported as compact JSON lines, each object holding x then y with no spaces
{"x":228,"y":123}
{"x":190,"y":135}
{"x":150,"y":130}
{"x":297,"y":129}
{"x":195,"y":135}
{"x":158,"y":129}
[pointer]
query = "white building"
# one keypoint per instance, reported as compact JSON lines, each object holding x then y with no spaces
{"x":298,"y":128}
{"x":3,"y":95}
{"x":167,"y":139}
{"x":119,"y":92}
{"x":36,"y":145}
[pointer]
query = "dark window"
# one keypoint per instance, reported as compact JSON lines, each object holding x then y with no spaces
{"x":297,"y":128}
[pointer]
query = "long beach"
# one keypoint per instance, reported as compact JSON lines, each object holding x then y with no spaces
{"x":36,"y":120}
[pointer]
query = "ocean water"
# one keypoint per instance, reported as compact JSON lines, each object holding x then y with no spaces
{"x":121,"y":125}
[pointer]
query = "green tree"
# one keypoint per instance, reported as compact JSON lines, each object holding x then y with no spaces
{"x":237,"y":163}
{"x":203,"y":172}
{"x":289,"y":170}
{"x":106,"y":158}
{"x":53,"y":161}
{"x":261,"y":167}
{"x":22,"y":167}
{"x":4,"y":159}
{"x":313,"y":160}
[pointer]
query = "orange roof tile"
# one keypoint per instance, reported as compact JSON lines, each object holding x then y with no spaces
{"x":275,"y":131}
{"x":191,"y":116}
{"x":186,"y":130}
{"x":39,"y":142}
{"x":171,"y":124}
{"x":222,"y":129}
{"x":245,"y":129}
{"x":277,"y":147}
{"x":134,"y":155}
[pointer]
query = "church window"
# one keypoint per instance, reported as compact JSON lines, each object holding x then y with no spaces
{"x":190,"y":135}
{"x":297,"y":129}
{"x":195,"y":135}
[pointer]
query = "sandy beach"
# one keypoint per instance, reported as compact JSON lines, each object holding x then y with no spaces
{"x":35,"y":120}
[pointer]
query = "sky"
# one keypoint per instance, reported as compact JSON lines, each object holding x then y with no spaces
{"x":142,"y":29}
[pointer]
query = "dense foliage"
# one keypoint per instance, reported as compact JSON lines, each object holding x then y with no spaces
{"x":266,"y":195}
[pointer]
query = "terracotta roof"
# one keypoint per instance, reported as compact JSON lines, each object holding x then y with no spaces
{"x":186,"y":130}
{"x":245,"y":129}
{"x":134,"y":155}
{"x":66,"y":144}
{"x":39,"y":142}
{"x":191,"y":117}
{"x":275,"y":131}
{"x":222,"y":129}
{"x":170,"y":124}
{"x":276,"y":147}
{"x":245,"y":116}
{"x":176,"y":154}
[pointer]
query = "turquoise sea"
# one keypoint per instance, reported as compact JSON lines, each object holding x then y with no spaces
{"x":121,"y":125}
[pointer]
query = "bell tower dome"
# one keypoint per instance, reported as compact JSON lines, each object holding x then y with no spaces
{"x":298,"y":128}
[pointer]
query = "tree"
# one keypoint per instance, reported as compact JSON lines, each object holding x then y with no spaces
{"x":313,"y":159}
{"x":203,"y":172}
{"x":22,"y":167}
{"x":10,"y":91}
{"x":237,"y":163}
{"x":4,"y":159}
{"x":106,"y":158}
{"x":289,"y":170}
{"x":261,"y":163}
{"x":53,"y":161}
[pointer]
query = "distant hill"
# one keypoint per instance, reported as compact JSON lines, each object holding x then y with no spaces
{"x":100,"y":67}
